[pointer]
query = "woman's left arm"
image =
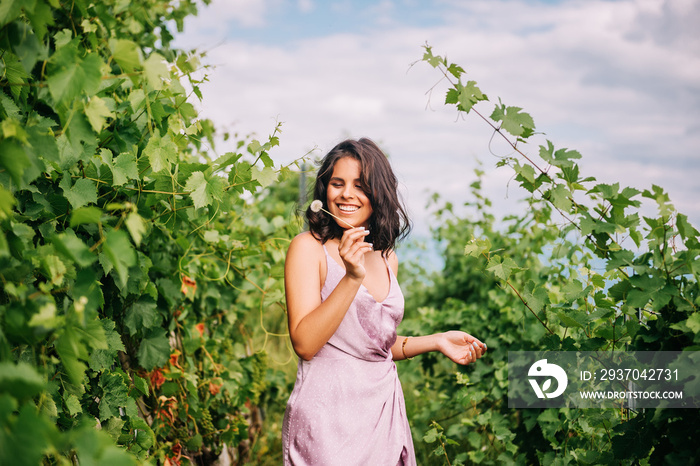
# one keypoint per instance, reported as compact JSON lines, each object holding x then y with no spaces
{"x":459,"y":346}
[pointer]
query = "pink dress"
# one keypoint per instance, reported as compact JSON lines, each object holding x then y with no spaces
{"x":347,"y":406}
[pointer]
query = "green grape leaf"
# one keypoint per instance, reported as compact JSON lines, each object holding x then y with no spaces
{"x":14,"y":160}
{"x":40,"y":16}
{"x":455,"y":70}
{"x":120,"y":253}
{"x":685,"y":228}
{"x":72,"y":351}
{"x":465,"y":96}
{"x":126,"y":53}
{"x":115,"y":425}
{"x":92,"y":333}
{"x":114,"y":395}
{"x":240,"y":177}
{"x":26,"y":442}
{"x":526,"y":172}
{"x":42,"y":142}
{"x":27,"y":47}
{"x":83,"y":192}
{"x":9,"y":10}
{"x":137,"y":98}
{"x":136,"y":226}
{"x":83,"y":215}
{"x":62,"y":37}
{"x":590,"y":225}
{"x":123,"y":168}
{"x":156,"y":69}
{"x":141,"y":315}
{"x":8,"y":106}
{"x":536,"y":297}
{"x":73,"y":404}
{"x":573,"y":290}
{"x":502,"y":268}
{"x":70,"y":76}
{"x":265,"y":177}
{"x":54,"y":269}
{"x":154,"y":350}
{"x":72,"y":247}
{"x":477,"y":247}
{"x":204,"y":190}
{"x":561,"y":158}
{"x":97,"y":113}
{"x":229,"y":158}
{"x":161,"y":152}
{"x":431,"y":436}
{"x":693,"y":322}
{"x":433,"y":60}
{"x":266,"y":160}
{"x":15,"y":74}
{"x":20,"y":380}
{"x":141,"y":385}
{"x":104,"y":358}
{"x":514,"y":121}
{"x":4,"y":246}
{"x":560,"y":197}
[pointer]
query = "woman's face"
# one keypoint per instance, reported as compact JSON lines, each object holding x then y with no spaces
{"x":344,"y":195}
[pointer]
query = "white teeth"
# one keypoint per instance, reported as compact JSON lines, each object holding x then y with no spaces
{"x":345,"y":208}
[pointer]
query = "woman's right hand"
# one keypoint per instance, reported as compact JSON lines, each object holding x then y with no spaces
{"x":352,"y":249}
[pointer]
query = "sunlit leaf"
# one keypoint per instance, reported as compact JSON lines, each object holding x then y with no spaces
{"x":204,"y":190}
{"x":514,"y":121}
{"x":97,"y":113}
{"x":126,"y":53}
{"x":265,"y":177}
{"x":161,"y":152}
{"x":156,"y":69}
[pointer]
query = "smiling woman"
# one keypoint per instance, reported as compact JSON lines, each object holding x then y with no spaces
{"x":355,"y":180}
{"x":345,"y":196}
{"x":344,"y":305}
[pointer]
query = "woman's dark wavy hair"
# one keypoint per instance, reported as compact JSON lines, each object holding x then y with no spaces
{"x":389,"y":221}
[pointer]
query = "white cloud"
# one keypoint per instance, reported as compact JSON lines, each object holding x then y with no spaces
{"x":213,"y":22}
{"x":305,"y":6}
{"x":617,"y":81}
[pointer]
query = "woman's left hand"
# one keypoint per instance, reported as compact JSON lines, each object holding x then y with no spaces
{"x":461,"y":347}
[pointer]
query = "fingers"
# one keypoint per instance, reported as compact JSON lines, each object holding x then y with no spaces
{"x":352,"y":249}
{"x":352,"y":243}
{"x":475,"y":349}
{"x":351,"y":236}
{"x":478,"y":346}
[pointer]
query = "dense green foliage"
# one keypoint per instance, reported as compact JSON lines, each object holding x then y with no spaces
{"x":579,"y":270}
{"x":142,"y":309}
{"x":130,"y":255}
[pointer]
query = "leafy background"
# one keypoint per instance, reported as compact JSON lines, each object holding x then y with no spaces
{"x":142,"y":310}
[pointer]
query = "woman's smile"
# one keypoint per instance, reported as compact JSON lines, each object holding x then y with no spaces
{"x":345,"y":196}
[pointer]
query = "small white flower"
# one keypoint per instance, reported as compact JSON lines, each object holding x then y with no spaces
{"x":316,"y":205}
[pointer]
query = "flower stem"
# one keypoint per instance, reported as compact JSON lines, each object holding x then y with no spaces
{"x":338,"y":218}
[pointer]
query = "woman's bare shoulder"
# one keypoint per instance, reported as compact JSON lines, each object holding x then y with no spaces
{"x":305,"y":245}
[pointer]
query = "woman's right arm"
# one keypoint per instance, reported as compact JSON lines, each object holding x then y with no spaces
{"x":312,"y":322}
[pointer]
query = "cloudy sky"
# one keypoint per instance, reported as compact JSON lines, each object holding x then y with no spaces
{"x":618,"y":81}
